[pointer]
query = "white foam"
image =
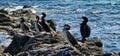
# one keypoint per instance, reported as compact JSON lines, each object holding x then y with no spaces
{"x":9,"y":9}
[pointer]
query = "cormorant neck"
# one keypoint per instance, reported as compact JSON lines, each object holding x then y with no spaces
{"x":22,"y":21}
{"x":38,"y":20}
{"x":43,"y":18}
{"x":85,"y":22}
{"x":67,"y":28}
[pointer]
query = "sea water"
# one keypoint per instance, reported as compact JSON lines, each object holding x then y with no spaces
{"x":103,"y":15}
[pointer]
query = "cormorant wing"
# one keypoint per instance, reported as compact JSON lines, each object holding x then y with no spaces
{"x":71,"y":38}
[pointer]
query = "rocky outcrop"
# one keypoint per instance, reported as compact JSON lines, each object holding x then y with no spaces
{"x":2,"y":11}
{"x":12,"y":20}
{"x":17,"y":44}
{"x":43,"y":43}
{"x":27,"y":6}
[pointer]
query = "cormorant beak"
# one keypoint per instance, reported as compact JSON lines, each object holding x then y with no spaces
{"x":65,"y":26}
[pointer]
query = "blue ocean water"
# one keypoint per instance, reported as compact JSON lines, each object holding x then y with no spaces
{"x":104,"y":16}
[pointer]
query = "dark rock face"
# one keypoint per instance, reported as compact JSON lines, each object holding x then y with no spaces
{"x":17,"y":44}
{"x":2,"y":11}
{"x":27,"y":6}
{"x":99,"y":44}
{"x":4,"y":18}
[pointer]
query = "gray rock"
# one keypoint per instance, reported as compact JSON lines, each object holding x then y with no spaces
{"x":17,"y":44}
{"x":3,"y":11}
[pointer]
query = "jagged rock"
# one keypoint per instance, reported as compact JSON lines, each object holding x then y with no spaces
{"x":23,"y":54}
{"x":2,"y":11}
{"x":5,"y":28}
{"x":41,"y":39}
{"x":26,"y":14}
{"x":27,"y":6}
{"x":5,"y":54}
{"x":1,"y":49}
{"x":5,"y":18}
{"x":51,"y":41}
{"x":109,"y":54}
{"x":99,"y":44}
{"x":17,"y":44}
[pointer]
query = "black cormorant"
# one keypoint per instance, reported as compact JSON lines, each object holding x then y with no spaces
{"x":44,"y":23}
{"x":52,"y":24}
{"x":84,"y":28}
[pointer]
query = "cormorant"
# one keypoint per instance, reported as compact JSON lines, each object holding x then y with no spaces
{"x":44,"y":23}
{"x":23,"y":25}
{"x":69,"y":35}
{"x":52,"y":24}
{"x":37,"y":25}
{"x":84,"y":28}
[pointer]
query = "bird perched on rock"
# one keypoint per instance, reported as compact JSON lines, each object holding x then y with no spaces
{"x":37,"y":25}
{"x":44,"y":23}
{"x":23,"y":25}
{"x":69,"y":35}
{"x":84,"y":28}
{"x":52,"y":24}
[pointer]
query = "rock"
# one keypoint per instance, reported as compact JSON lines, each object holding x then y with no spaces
{"x":108,"y":54}
{"x":5,"y":28}
{"x":5,"y":54}
{"x":51,"y":41}
{"x":23,"y":54}
{"x":26,"y":14}
{"x":1,"y":49}
{"x":17,"y":44}
{"x":43,"y":43}
{"x":99,"y":44}
{"x":2,"y":11}
{"x":5,"y":18}
{"x":27,"y":6}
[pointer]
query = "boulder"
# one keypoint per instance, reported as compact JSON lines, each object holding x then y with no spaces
{"x":26,"y":14}
{"x":3,"y":11}
{"x":27,"y":6}
{"x":5,"y":18}
{"x":17,"y":44}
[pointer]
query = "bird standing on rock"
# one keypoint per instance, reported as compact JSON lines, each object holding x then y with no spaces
{"x":23,"y":25}
{"x":37,"y":25}
{"x":84,"y":28}
{"x":52,"y":24}
{"x":44,"y":23}
{"x":69,"y":35}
